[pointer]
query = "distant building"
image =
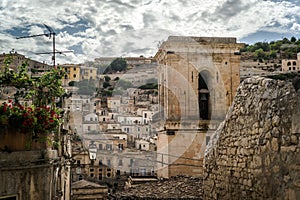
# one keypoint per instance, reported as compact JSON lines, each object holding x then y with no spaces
{"x":72,"y":73}
{"x":291,"y":65}
{"x":130,"y":60}
{"x":89,"y":170}
{"x":88,"y":190}
{"x":90,"y":123}
{"x":88,"y":73}
{"x":34,"y":67}
{"x":142,"y":145}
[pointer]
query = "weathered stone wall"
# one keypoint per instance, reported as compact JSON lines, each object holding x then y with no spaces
{"x":254,"y":154}
{"x":27,"y":175}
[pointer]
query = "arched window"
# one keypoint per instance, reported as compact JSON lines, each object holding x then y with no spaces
{"x":289,"y":64}
{"x":203,"y":97}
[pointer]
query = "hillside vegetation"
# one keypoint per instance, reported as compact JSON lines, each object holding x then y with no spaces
{"x":280,"y":49}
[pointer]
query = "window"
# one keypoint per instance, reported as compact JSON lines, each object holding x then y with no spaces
{"x":294,"y":68}
{"x":91,"y":119}
{"x":100,"y":146}
{"x":100,"y":163}
{"x":100,"y":176}
{"x":131,"y":162}
{"x":80,"y":177}
{"x":92,"y":175}
{"x":120,"y":162}
{"x":78,"y":170}
{"x":74,"y":75}
{"x":289,"y":64}
{"x":89,"y":128}
{"x":108,"y":147}
{"x":294,"y":63}
{"x":78,"y":162}
{"x":91,"y":169}
{"x":120,"y":146}
{"x":145,"y":115}
{"x":74,"y":68}
{"x":207,"y":139}
{"x":108,"y":162}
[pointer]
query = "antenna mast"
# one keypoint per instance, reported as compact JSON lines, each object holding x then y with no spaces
{"x":49,"y":34}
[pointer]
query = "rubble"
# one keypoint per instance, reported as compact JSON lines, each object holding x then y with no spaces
{"x":177,"y":187}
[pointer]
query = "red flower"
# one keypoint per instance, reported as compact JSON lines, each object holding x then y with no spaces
{"x":9,"y":101}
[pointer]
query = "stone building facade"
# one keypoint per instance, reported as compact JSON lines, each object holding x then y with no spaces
{"x":198,"y":77}
{"x":254,"y":154}
{"x":34,"y":174}
{"x":291,"y":64}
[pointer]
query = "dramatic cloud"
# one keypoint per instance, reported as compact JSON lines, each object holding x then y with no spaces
{"x":96,"y":28}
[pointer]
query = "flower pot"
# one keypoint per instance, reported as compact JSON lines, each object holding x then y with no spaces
{"x":13,"y":139}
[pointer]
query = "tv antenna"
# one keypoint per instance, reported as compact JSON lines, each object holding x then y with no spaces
{"x":50,"y":34}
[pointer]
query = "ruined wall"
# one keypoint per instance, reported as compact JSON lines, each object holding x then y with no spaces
{"x":254,"y":154}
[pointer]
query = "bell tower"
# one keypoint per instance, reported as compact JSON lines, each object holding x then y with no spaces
{"x":198,"y":77}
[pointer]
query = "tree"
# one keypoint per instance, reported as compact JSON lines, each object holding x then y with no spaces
{"x":272,"y":54}
{"x":293,"y":39}
{"x":285,"y":41}
{"x":107,"y":78}
{"x":106,"y":85}
{"x":259,"y":54}
{"x":119,"y":64}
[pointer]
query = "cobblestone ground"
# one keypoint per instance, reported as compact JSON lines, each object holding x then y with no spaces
{"x":179,"y":187}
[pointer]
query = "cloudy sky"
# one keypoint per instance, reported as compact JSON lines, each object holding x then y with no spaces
{"x":97,"y":28}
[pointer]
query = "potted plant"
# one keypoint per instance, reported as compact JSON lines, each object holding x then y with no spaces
{"x":30,"y":120}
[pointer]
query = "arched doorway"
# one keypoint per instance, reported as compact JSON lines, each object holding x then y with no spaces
{"x":203,"y":96}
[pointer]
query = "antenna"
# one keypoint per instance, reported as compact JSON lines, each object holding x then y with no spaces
{"x":51,"y":33}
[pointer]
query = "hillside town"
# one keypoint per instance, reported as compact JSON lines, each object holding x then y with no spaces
{"x":126,"y":124}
